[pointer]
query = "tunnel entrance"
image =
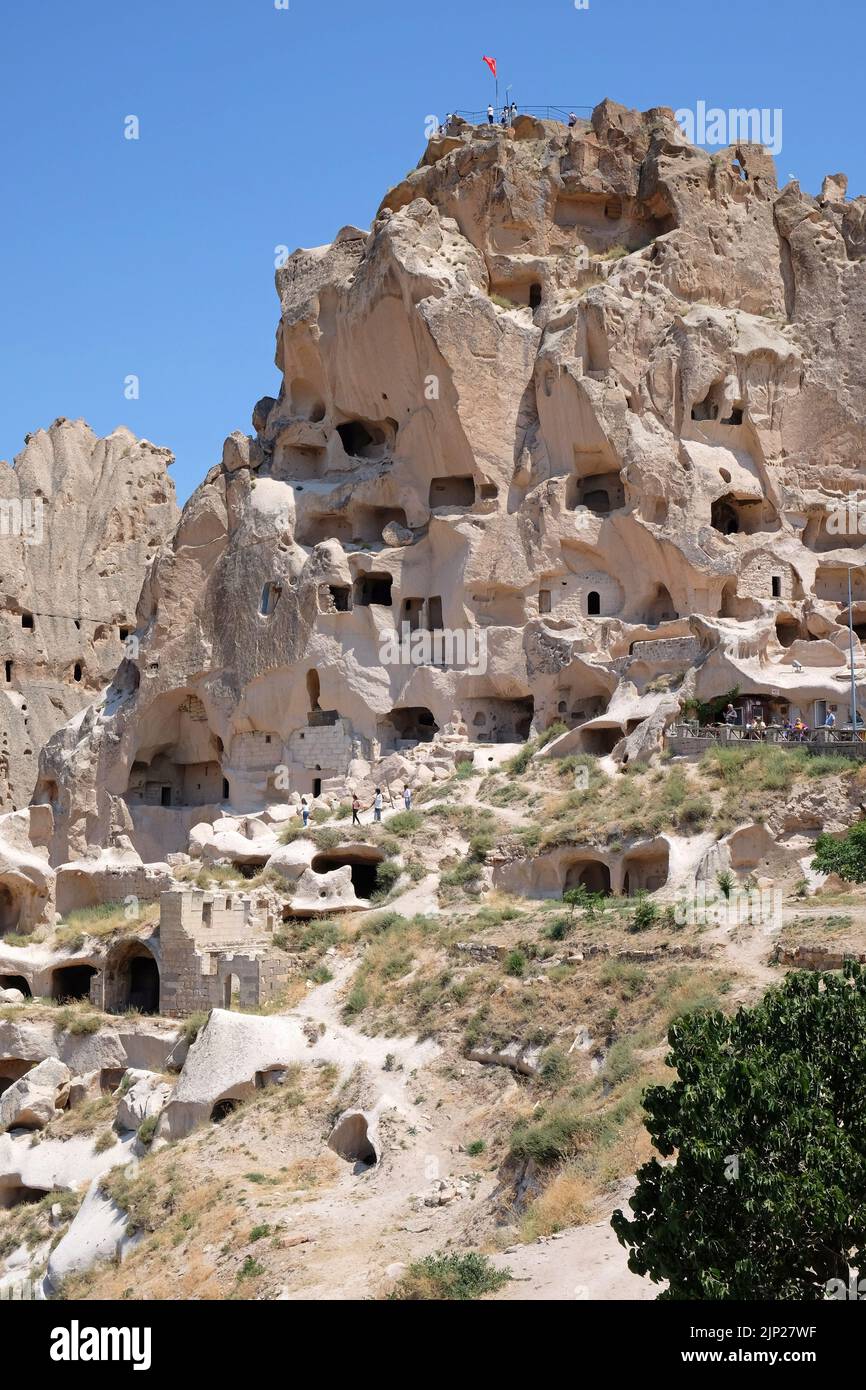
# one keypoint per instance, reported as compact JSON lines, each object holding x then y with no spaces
{"x":589,"y":874}
{"x":17,"y":1195}
{"x":222,"y":1109}
{"x":362,"y":866}
{"x":72,"y":982}
{"x":144,"y":984}
{"x":15,"y":982}
{"x":131,"y":980}
{"x":601,"y":742}
{"x":350,"y":1138}
{"x":12,"y":1069}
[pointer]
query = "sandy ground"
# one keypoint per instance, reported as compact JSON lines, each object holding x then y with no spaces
{"x":584,"y":1263}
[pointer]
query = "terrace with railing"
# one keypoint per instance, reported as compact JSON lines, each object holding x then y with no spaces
{"x":542,"y":113}
{"x":687,"y":736}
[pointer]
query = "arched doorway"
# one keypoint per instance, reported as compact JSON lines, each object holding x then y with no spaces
{"x":231,"y":992}
{"x":144,"y":984}
{"x":590,"y":874}
{"x":132,"y":979}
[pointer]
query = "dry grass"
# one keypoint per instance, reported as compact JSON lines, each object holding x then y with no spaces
{"x":566,"y":1201}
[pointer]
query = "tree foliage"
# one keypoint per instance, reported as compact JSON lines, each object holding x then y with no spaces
{"x":766,"y":1198}
{"x":845,"y":856}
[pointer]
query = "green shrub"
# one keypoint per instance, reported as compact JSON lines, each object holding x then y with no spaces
{"x":147,"y":1129}
{"x":405,"y":822}
{"x":451,"y":1277}
{"x":645,"y":913}
{"x":555,"y":1067}
{"x":387,"y":874}
{"x":515,"y":964}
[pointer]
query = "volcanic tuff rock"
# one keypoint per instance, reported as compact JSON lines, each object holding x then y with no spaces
{"x":591,"y":393}
{"x":81,"y":518}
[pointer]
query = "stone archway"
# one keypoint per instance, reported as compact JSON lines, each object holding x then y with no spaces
{"x":591,"y":874}
{"x":132,"y":979}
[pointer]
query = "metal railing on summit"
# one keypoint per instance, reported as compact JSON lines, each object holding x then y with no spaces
{"x":542,"y":113}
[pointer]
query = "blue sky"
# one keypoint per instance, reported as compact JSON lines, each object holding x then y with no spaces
{"x":262,"y":127}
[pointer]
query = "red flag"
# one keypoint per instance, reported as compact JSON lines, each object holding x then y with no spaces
{"x":491,"y":63}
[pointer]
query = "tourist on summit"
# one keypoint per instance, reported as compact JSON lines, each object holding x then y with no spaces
{"x":377,"y":804}
{"x":572,"y":121}
{"x":512,"y":112}
{"x":491,"y":115}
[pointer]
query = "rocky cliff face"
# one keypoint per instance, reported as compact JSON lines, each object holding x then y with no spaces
{"x":590,"y":399}
{"x":80,"y":519}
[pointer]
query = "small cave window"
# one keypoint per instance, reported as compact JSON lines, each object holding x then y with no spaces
{"x":544,"y":600}
{"x":8,"y":672}
{"x":340,"y":596}
{"x":776,"y":585}
{"x":373,"y":589}
{"x":363,"y":440}
{"x":165,"y":796}
{"x":488,"y":492}
{"x":534,"y":296}
{"x":613,"y":209}
{"x":225,"y":789}
{"x":317,"y":786}
{"x":270,"y":597}
{"x":735,"y":417}
{"x":457,"y":491}
{"x":123,"y":634}
{"x":593,"y":603}
{"x":76,"y":671}
{"x":27,"y":621}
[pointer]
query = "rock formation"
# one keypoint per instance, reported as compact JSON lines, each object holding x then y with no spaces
{"x":584,"y":405}
{"x":80,"y":519}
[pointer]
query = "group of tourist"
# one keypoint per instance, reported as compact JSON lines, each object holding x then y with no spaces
{"x":376,"y":805}
{"x":507,"y":115}
{"x":757,"y":726}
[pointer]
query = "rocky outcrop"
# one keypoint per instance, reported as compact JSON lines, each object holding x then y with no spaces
{"x":80,"y":520}
{"x":575,"y":403}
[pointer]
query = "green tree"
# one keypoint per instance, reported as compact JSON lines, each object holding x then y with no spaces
{"x":845,"y":856}
{"x":766,"y":1198}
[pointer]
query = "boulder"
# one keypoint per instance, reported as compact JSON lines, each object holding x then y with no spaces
{"x":141,"y":1095}
{"x":39,"y":1095}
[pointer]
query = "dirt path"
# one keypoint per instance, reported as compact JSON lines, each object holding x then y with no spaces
{"x":584,"y":1263}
